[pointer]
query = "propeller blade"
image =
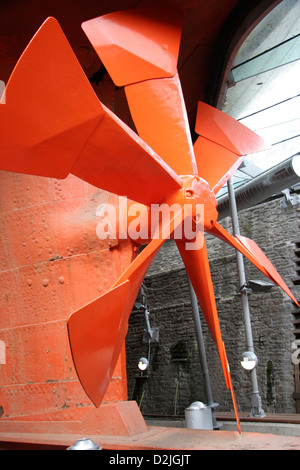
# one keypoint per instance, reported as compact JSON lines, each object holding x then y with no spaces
{"x":97,"y":331}
{"x":224,"y":140}
{"x":197,"y":266}
{"x":152,"y":104}
{"x":137,"y":44}
{"x":93,"y":333}
{"x":254,"y":254}
{"x":117,"y":160}
{"x":224,"y":130}
{"x":225,"y":162}
{"x":139,"y":48}
{"x":53,"y":124}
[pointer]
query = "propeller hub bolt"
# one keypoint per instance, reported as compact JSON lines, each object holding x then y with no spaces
{"x":189,"y":193}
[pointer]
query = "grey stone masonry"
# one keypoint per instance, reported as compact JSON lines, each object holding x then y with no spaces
{"x":174,"y":378}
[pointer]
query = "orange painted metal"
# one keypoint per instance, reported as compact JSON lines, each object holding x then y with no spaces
{"x":158,"y":111}
{"x":225,"y":162}
{"x":97,"y":331}
{"x":227,"y":140}
{"x":51,"y":264}
{"x":137,"y":44}
{"x":261,"y":258}
{"x":100,"y":149}
{"x":252,"y":251}
{"x":122,"y":418}
{"x":156,"y":438}
{"x":54,"y":124}
{"x":94,"y":340}
{"x":197,"y":266}
{"x":141,"y":54}
{"x":226,"y":131}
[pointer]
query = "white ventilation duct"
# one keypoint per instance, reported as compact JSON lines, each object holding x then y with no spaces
{"x":273,"y":181}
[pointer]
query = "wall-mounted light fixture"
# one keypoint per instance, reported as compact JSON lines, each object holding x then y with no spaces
{"x":249,"y":360}
{"x":257,"y":285}
{"x":143,"y":363}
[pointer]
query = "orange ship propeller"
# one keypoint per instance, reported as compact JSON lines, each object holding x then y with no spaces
{"x":53,"y":124}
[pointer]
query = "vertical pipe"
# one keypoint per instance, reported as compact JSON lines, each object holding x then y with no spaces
{"x":202,"y":353}
{"x":256,"y":407}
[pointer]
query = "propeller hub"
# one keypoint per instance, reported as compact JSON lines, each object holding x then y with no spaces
{"x":197,"y":193}
{"x":195,"y":197}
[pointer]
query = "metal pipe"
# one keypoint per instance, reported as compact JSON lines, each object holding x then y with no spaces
{"x":256,"y":404}
{"x":202,"y":354}
{"x":271,"y":182}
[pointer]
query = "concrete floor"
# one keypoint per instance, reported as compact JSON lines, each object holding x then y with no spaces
{"x":280,"y":432}
{"x":165,"y":438}
{"x":278,"y":428}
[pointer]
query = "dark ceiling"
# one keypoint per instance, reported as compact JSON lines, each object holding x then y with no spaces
{"x":212,"y":32}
